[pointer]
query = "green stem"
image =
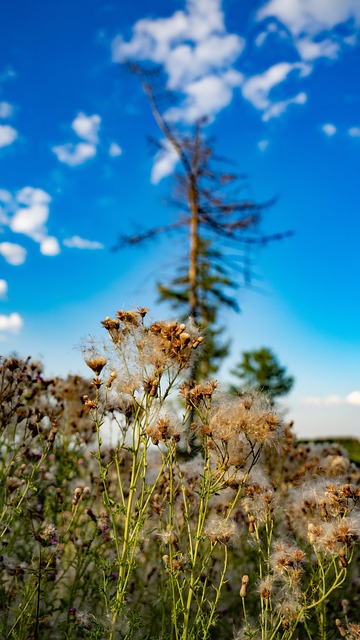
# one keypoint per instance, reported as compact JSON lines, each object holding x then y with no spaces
{"x":204,"y":500}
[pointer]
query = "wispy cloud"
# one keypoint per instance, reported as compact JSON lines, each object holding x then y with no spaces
{"x":263,"y":144}
{"x":271,"y":29}
{"x":76,"y":242}
{"x":318,"y":29}
{"x":6,"y":110}
{"x":354,"y":132}
{"x":352,"y":398}
{"x":5,"y":196}
{"x":257,"y":89}
{"x":314,"y":29}
{"x":165,"y":162}
{"x":278,"y":108}
{"x":75,"y":154}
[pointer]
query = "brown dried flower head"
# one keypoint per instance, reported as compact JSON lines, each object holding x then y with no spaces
{"x":112,"y":327}
{"x":129,"y":317}
{"x":175,"y":341}
{"x":96,"y":363}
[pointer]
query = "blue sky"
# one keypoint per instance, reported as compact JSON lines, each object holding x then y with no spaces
{"x":278,"y":80}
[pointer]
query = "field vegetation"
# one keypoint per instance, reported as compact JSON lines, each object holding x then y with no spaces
{"x":113,"y":527}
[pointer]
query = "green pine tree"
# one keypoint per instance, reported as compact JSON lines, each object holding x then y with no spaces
{"x":261,"y":371}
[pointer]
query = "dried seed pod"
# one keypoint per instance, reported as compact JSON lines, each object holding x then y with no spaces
{"x":244,"y":584}
{"x":96,"y":363}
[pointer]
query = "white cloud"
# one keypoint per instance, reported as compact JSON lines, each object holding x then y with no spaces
{"x":6,"y":110}
{"x":75,"y":154}
{"x":87,"y":127}
{"x":186,"y":63}
{"x":271,"y":28}
{"x":196,"y":53}
{"x":261,"y":38}
{"x":316,"y":29}
{"x":49,"y":246}
{"x":164,"y":163}
{"x":3,"y":289}
{"x":312,"y":16}
{"x":278,"y":108}
{"x":257,"y":89}
{"x":30,"y":218}
{"x":13,"y":322}
{"x":263,"y":144}
{"x":313,"y":24}
{"x":115,"y":150}
{"x":13,"y":253}
{"x":310,"y":50}
{"x":7,"y":135}
{"x":80,"y":243}
{"x":204,"y":18}
{"x":206,"y":97}
{"x":329,"y":129}
{"x":353,"y":398}
{"x":153,"y":39}
{"x":30,"y":196}
{"x":29,"y":214}
{"x":354,"y":132}
{"x":5,"y":196}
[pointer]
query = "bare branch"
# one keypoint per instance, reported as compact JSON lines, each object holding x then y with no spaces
{"x":125,"y":241}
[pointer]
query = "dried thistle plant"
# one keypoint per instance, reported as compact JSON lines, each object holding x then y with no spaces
{"x":134,"y":534}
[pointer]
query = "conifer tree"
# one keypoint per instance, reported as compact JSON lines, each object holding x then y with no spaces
{"x":261,"y":371}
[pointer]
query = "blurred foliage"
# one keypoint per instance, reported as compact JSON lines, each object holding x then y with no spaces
{"x":351,"y":445}
{"x":261,"y":371}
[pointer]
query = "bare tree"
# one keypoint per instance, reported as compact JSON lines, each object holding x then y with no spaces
{"x":222,"y":227}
